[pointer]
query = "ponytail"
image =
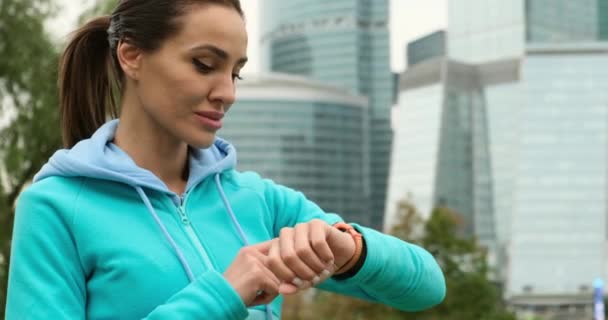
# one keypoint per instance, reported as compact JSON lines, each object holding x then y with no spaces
{"x":88,"y":82}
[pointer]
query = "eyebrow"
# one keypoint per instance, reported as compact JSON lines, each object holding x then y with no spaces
{"x":218,"y":52}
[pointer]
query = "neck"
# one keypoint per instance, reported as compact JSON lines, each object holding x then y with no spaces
{"x":151,"y":146}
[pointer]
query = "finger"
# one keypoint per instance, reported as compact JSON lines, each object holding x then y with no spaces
{"x":291,"y":259}
{"x":269,"y":292}
{"x":304,"y":250}
{"x":276,"y":264}
{"x":267,"y":272}
{"x":318,"y":241}
{"x":326,"y":274}
{"x":260,"y":278}
{"x":263,"y":299}
{"x":288,"y":288}
{"x":268,"y":282}
{"x":262,"y":247}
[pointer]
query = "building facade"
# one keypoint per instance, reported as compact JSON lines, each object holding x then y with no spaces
{"x":343,"y":43}
{"x":441,"y":150}
{"x":426,"y":47}
{"x":544,"y":95}
{"x":305,"y":135}
{"x":558,"y":232}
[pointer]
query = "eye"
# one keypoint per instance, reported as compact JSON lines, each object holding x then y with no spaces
{"x":236,"y":76}
{"x":201,"y":67}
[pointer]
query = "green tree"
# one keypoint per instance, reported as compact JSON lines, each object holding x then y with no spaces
{"x":99,"y":7}
{"x":28,"y":96}
{"x":470,"y":293}
{"x":410,"y":223}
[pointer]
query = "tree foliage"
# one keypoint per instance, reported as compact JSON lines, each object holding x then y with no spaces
{"x":100,"y":7}
{"x":28,"y":96}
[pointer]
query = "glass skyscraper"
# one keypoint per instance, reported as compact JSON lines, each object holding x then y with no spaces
{"x":416,"y":130}
{"x":547,"y":134}
{"x":427,"y":47}
{"x":511,"y":130}
{"x":305,"y":135}
{"x":558,"y":21}
{"x":343,"y":43}
{"x":485,"y":30}
{"x":441,"y":148}
{"x":558,"y":228}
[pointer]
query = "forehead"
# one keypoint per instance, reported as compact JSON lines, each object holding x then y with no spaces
{"x":218,"y":25}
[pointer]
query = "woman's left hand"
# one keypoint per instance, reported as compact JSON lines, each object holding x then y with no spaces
{"x":308,"y":254}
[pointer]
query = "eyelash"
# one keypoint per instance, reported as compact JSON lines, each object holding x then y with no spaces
{"x":201,"y":67}
{"x":205,"y":69}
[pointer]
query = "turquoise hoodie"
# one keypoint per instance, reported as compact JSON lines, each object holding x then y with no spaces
{"x":98,"y":237}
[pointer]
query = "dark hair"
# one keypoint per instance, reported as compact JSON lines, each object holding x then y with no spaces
{"x":90,"y":78}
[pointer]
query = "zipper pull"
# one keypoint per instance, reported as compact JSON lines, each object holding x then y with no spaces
{"x":182,"y":211}
{"x":183,"y":215}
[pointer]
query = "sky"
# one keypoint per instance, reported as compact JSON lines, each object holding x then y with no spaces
{"x":409,"y":19}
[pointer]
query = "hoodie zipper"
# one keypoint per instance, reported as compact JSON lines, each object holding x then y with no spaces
{"x":194,"y":239}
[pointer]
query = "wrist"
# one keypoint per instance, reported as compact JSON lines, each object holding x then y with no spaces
{"x":353,"y":250}
{"x":355,"y":269}
{"x":343,"y":247}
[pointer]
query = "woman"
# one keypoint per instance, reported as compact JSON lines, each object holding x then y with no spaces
{"x":146,"y":217}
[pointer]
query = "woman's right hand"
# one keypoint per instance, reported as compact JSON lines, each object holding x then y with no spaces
{"x":248,"y":275}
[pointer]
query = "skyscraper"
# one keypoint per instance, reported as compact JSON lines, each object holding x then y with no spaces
{"x":441,"y":145}
{"x":547,"y":136}
{"x":343,"y":43}
{"x":305,"y":135}
{"x":426,"y":47}
{"x":562,"y":21}
{"x":558,"y":227}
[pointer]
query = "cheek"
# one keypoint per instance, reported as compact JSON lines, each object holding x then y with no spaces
{"x":192,"y":94}
{"x":173,"y":93}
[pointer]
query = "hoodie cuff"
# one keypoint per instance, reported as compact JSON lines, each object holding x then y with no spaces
{"x":231,"y":301}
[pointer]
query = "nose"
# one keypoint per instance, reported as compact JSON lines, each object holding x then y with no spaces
{"x":224,"y":91}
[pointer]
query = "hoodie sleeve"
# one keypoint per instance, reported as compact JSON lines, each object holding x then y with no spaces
{"x":47,"y":280}
{"x":210,"y":296}
{"x":395,"y":273}
{"x":45,"y":277}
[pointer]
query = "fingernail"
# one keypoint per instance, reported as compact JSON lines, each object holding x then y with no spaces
{"x":330,"y":262}
{"x":297,"y":281}
{"x":316,"y":280}
{"x":325,"y":273}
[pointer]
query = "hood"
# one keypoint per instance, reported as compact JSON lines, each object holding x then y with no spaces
{"x":97,"y":157}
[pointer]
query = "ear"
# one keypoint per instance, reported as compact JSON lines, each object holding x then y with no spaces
{"x":129,"y":58}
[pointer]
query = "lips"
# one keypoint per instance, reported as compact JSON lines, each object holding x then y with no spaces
{"x":214,"y":115}
{"x":212,"y":120}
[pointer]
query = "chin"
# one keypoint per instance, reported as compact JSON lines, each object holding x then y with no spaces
{"x":201,"y":143}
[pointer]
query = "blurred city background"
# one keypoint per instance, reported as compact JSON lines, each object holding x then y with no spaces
{"x":476,"y":128}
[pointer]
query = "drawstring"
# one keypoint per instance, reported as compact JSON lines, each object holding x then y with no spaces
{"x":179,"y":253}
{"x":229,"y":209}
{"x":238,"y":227}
